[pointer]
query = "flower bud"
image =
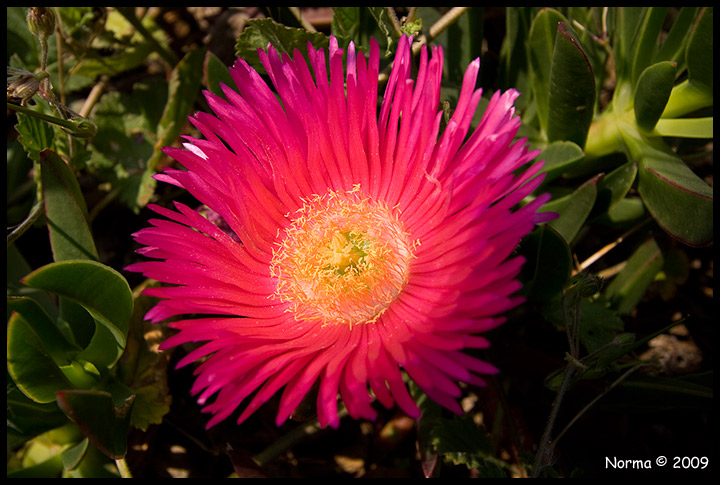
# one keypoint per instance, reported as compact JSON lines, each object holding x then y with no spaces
{"x":22,"y":84}
{"x":41,"y":21}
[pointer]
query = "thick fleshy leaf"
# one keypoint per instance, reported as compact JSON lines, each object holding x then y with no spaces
{"x":541,"y":47}
{"x":26,"y":418}
{"x":572,"y":90}
{"x":699,"y":52}
{"x":645,"y":40}
{"x":680,"y":201}
{"x":652,"y":92}
{"x":54,"y":342}
{"x":100,"y":290}
{"x":626,"y":210}
{"x":103,"y":422}
{"x":696,"y":92}
{"x":614,"y":186}
{"x":629,"y":286}
{"x":32,"y":368}
{"x":71,"y":457}
{"x":559,"y":157}
{"x":685,"y":127}
{"x":675,"y":42}
{"x":65,"y":209}
{"x":573,"y":209}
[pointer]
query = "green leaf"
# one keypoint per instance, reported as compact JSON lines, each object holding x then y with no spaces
{"x":699,"y":54}
{"x":183,"y":88}
{"x":27,"y":419}
{"x":652,"y":93}
{"x":696,"y":92}
{"x":71,"y":457}
{"x":645,"y":40}
{"x":345,"y":23}
{"x":54,"y":342}
{"x":628,"y":22}
{"x":572,"y":90}
{"x":65,"y":210}
{"x":614,"y":186}
{"x":679,"y":201}
{"x":35,"y":134}
{"x":463,"y":442}
{"x":104,"y":423}
{"x":121,"y":61}
{"x":215,"y":72}
{"x":675,"y":42}
{"x":685,"y":127}
{"x":573,"y":209}
{"x":630,"y":285}
{"x":626,"y":210}
{"x":261,"y":32}
{"x":103,"y":292}
{"x":29,"y":363}
{"x":142,"y":367}
{"x":559,"y":157}
{"x":541,"y":48}
{"x":50,"y":468}
{"x":548,"y":265}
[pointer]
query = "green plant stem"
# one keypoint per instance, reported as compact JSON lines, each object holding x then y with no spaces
{"x":77,"y":127}
{"x":440,"y":26}
{"x":301,"y":18}
{"x":123,"y":468}
{"x":546,"y":446}
{"x":37,"y":211}
{"x":593,"y":401}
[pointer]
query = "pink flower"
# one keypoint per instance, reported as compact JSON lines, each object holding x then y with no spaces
{"x":355,"y":245}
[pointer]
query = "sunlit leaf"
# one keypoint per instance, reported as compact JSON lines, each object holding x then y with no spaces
{"x":686,"y":127}
{"x":103,"y":292}
{"x":72,"y":456}
{"x":29,"y":363}
{"x":261,"y":32}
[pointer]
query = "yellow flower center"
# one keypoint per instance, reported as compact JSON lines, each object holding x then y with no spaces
{"x":343,"y":259}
